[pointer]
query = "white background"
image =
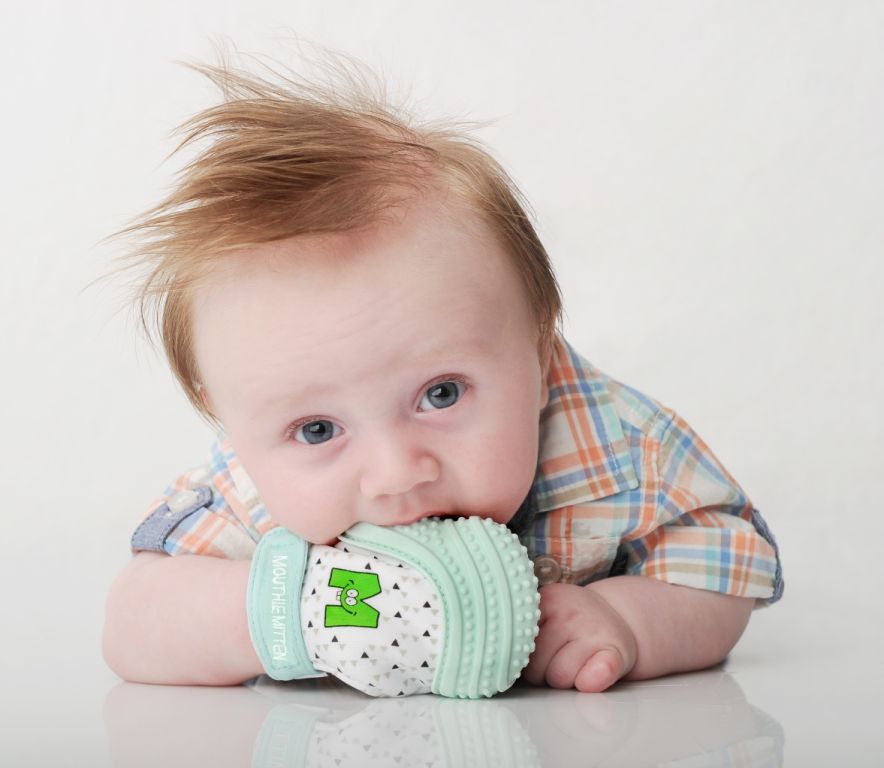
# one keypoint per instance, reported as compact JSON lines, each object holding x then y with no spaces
{"x":708,"y":178}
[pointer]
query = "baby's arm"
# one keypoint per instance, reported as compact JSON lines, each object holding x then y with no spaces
{"x":192,"y":619}
{"x":180,"y":620}
{"x":635,"y":627}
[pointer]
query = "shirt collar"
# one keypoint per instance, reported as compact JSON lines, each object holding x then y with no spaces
{"x":583,"y":454}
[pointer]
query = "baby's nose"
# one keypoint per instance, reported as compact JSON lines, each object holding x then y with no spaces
{"x":397,"y":467}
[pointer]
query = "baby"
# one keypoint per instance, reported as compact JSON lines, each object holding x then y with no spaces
{"x":362,"y":308}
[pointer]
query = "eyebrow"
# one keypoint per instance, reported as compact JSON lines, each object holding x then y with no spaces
{"x":461,"y":353}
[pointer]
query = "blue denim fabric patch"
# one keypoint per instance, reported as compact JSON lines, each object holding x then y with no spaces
{"x":151,"y":535}
{"x":761,"y":527}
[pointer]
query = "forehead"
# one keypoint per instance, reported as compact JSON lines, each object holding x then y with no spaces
{"x":431,"y":281}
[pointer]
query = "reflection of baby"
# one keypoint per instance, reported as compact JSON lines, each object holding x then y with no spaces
{"x":365,"y":310}
{"x":703,"y":719}
{"x":429,"y":732}
{"x":438,"y":606}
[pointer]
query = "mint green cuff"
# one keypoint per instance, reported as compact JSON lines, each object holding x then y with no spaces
{"x":273,"y":603}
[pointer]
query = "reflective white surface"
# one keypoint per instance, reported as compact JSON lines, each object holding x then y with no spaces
{"x":702,"y":720}
{"x":800,"y":689}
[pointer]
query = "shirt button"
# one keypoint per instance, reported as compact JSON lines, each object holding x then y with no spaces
{"x":182,"y":500}
{"x":547,"y":570}
{"x":200,"y":475}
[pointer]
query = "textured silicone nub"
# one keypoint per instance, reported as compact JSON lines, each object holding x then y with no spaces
{"x":489,"y":594}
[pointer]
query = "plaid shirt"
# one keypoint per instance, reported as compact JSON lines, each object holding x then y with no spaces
{"x":623,"y":486}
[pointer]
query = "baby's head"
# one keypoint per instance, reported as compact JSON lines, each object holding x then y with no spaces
{"x":362,"y":304}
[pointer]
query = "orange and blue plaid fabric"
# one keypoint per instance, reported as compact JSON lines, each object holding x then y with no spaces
{"x":623,"y":486}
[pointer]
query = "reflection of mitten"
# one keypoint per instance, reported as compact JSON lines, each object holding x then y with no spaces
{"x":426,"y":731}
{"x":442,"y":606}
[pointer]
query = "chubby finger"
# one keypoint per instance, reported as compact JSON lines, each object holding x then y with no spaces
{"x":546,"y":646}
{"x":562,"y":669}
{"x":600,"y":671}
{"x":554,"y":631}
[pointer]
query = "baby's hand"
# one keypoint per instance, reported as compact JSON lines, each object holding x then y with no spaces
{"x":583,"y":642}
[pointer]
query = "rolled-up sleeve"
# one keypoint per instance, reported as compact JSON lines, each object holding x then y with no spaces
{"x":706,"y":533}
{"x":209,"y":510}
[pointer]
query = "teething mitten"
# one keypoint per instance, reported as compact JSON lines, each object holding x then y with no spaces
{"x":442,"y":606}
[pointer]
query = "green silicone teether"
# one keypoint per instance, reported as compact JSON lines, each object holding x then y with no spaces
{"x":489,"y":593}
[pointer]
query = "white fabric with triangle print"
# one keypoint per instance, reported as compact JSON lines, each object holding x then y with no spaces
{"x":399,"y":656}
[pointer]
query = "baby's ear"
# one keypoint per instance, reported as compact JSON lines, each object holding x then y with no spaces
{"x":204,"y":398}
{"x":545,"y":362}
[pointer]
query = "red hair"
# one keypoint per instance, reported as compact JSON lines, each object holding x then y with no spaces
{"x":285,"y":157}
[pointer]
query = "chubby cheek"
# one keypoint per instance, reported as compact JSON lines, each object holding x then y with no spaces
{"x":500,"y":477}
{"x":312,"y":510}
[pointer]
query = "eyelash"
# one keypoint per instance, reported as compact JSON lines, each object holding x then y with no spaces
{"x":293,"y":429}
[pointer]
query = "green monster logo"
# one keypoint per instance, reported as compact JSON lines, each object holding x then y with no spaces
{"x":354,"y":587}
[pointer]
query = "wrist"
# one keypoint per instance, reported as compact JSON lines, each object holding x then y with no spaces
{"x":641,"y":606}
{"x":623,"y":622}
{"x":246,"y":656}
{"x":273,"y":605}
{"x":676,"y":628}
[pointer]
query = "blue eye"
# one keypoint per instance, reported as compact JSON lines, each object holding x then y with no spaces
{"x":443,"y":395}
{"x":315,"y":432}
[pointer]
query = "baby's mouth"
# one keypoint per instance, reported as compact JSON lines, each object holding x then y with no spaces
{"x":433,"y":516}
